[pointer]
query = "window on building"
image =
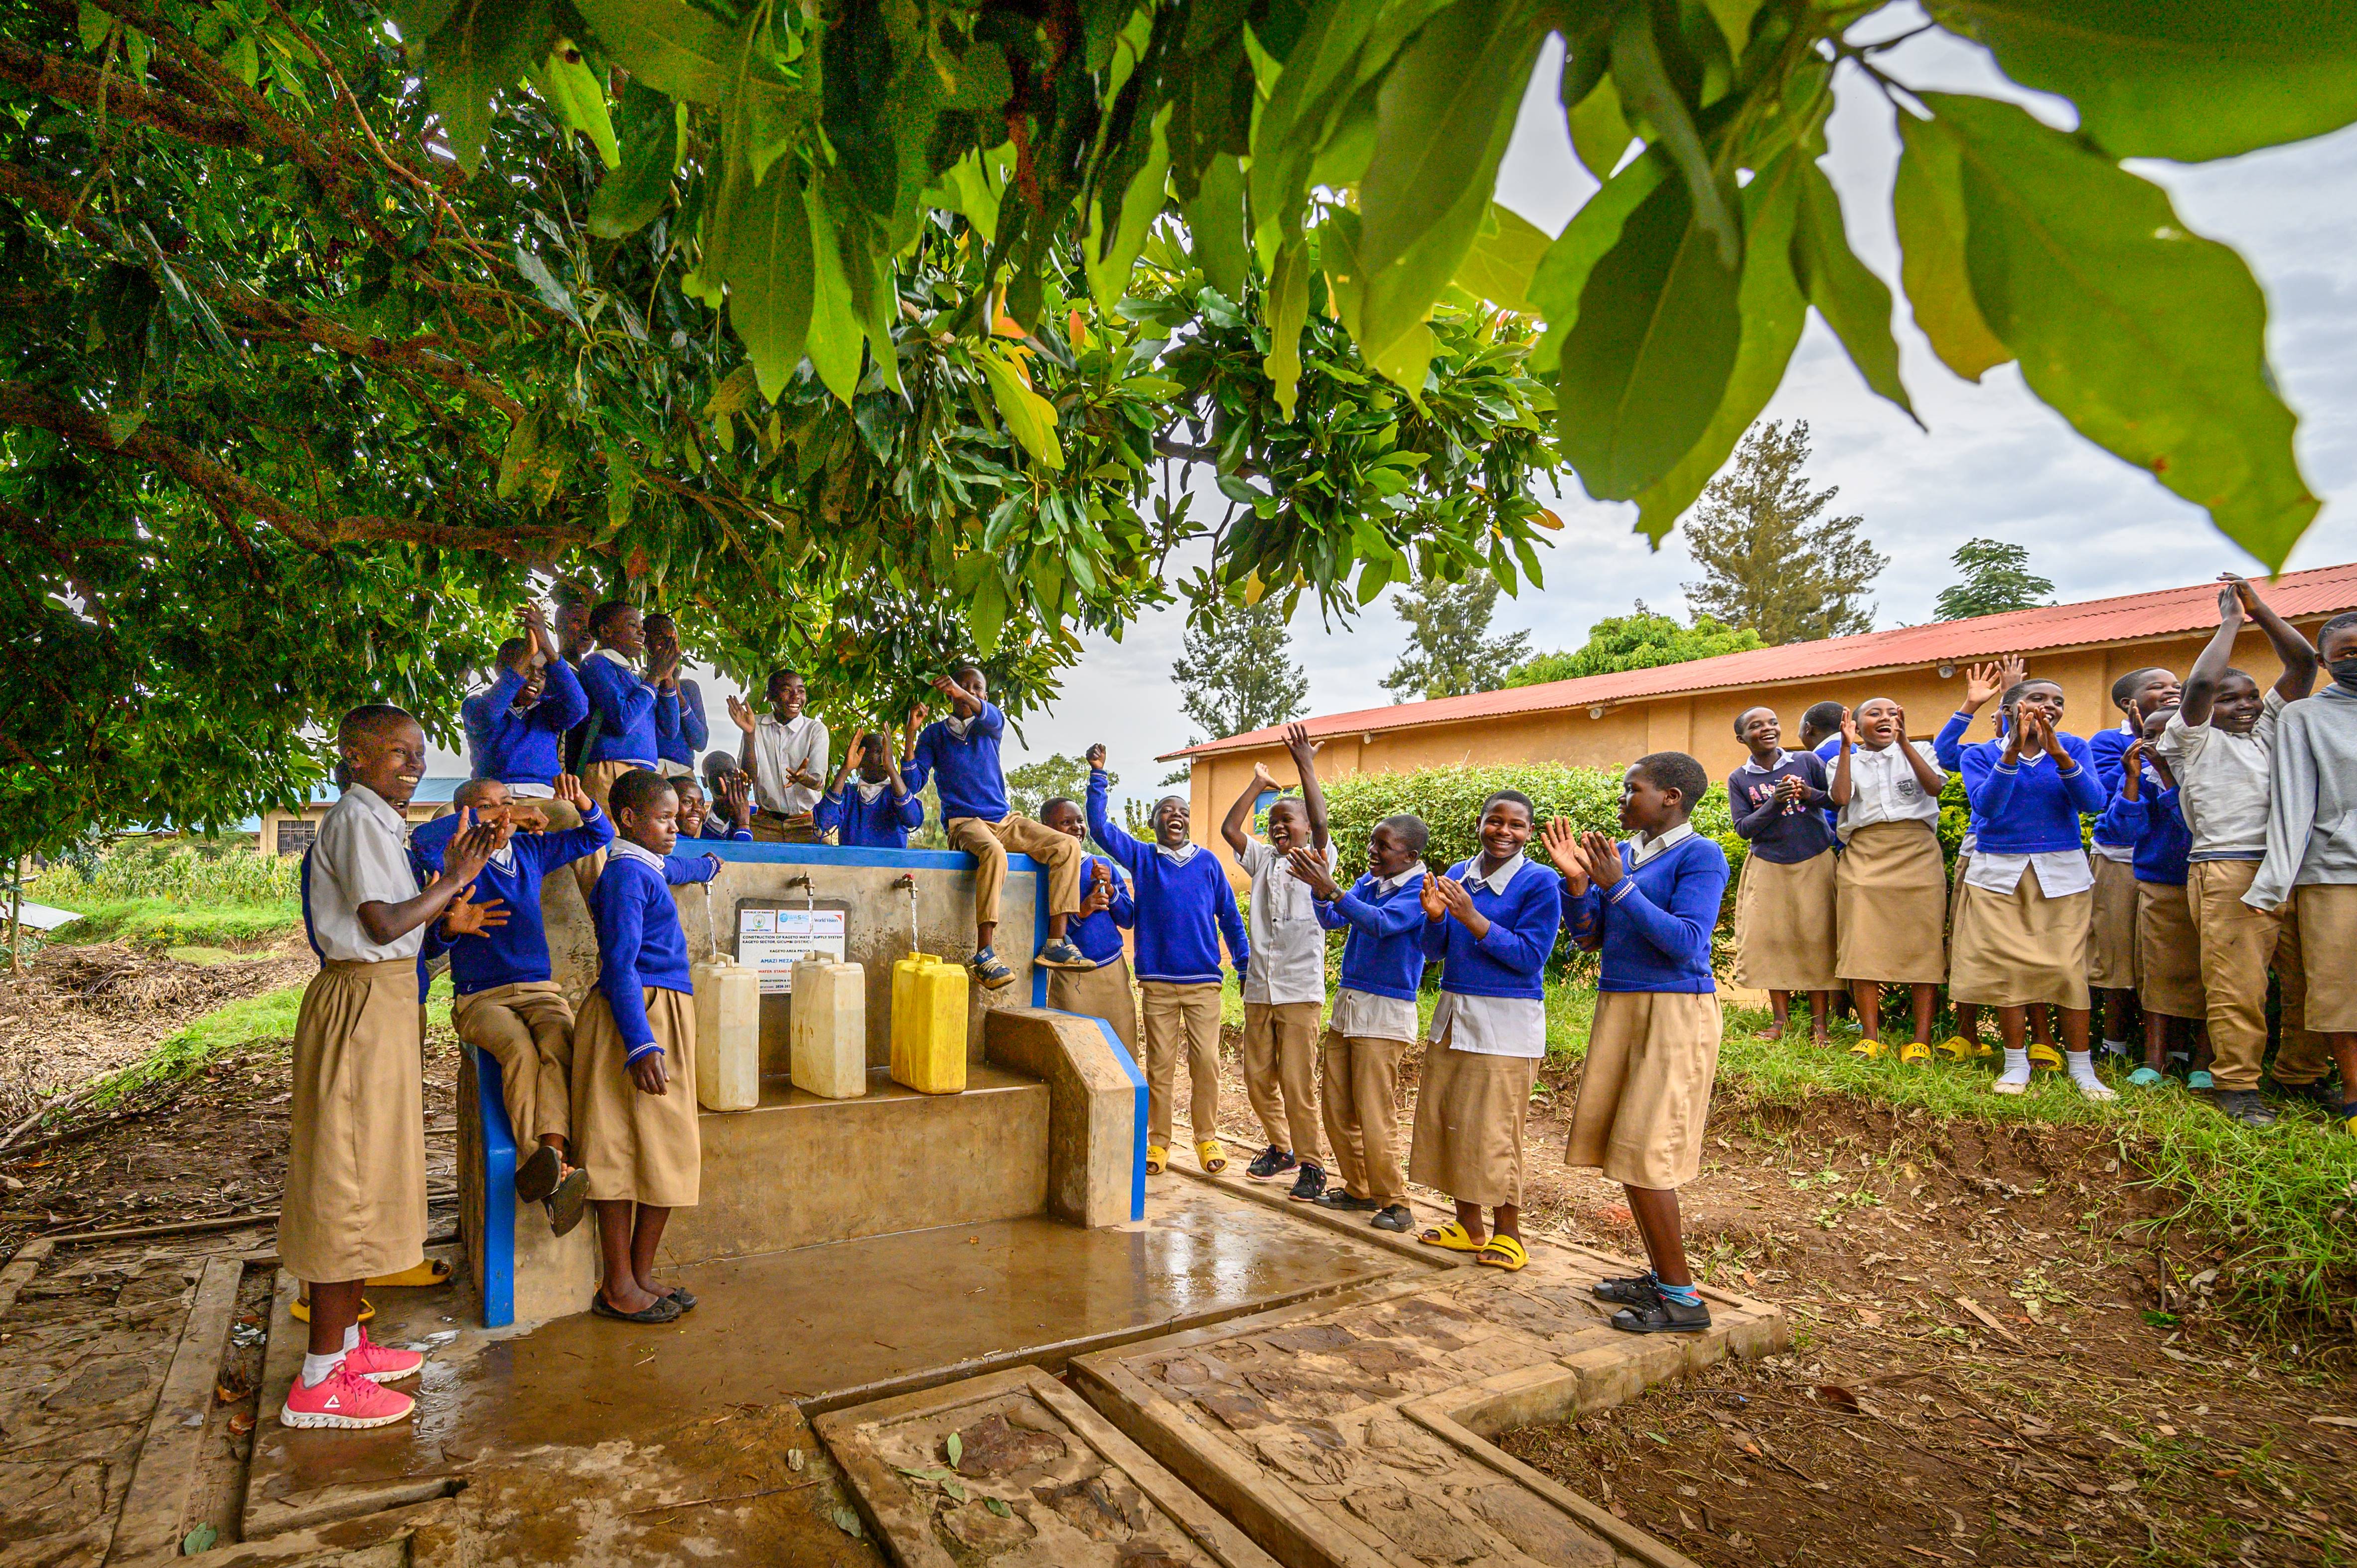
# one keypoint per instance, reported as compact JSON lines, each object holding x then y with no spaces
{"x":295,"y":835}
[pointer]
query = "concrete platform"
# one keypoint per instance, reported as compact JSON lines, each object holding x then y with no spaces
{"x":829,"y":1325}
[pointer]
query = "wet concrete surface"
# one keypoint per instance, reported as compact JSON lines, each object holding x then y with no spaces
{"x":836,"y":1323}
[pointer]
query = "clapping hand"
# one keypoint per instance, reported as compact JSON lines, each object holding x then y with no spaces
{"x":1788,"y":787}
{"x":1455,"y":897}
{"x":569,"y":791}
{"x":1603,"y":859}
{"x":1309,"y":866}
{"x":1849,"y":733}
{"x":2132,"y":769}
{"x":1297,"y":741}
{"x":735,"y":799}
{"x":739,"y":715}
{"x":1428,"y":896}
{"x":472,"y":849}
{"x":1562,"y":842}
{"x":465,"y":918}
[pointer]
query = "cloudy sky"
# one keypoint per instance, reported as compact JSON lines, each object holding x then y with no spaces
{"x":1996,"y":463}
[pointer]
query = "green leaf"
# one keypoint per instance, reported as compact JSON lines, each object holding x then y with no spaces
{"x":2148,"y":338}
{"x":1645,"y":87}
{"x":578,"y":99}
{"x":1646,"y":365}
{"x":1504,"y":255}
{"x":1599,"y":132}
{"x":203,"y":1538}
{"x":628,"y":199}
{"x":1733,"y":18}
{"x":1562,"y":273}
{"x":1929,"y":206}
{"x":1774,"y":311}
{"x":986,"y":615}
{"x":955,"y":1447}
{"x":1317,"y":80}
{"x":1854,"y":302}
{"x":669,"y":45}
{"x":1030,"y":418}
{"x":836,"y":340}
{"x":1286,"y":302}
{"x":1215,"y":222}
{"x":999,"y":1506}
{"x":94,"y":25}
{"x":552,"y":293}
{"x":770,"y":277}
{"x":478,"y":50}
{"x":1107,"y":258}
{"x":2191,"y":80}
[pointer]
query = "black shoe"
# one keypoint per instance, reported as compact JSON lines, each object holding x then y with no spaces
{"x":1628,"y":1290}
{"x":1659,"y":1315}
{"x":1396,"y":1218}
{"x":1340,"y":1200}
{"x":536,"y":1174}
{"x":2244,"y":1105}
{"x":566,"y":1204}
{"x":2321,"y":1094}
{"x":1273,"y":1164}
{"x":1308,"y":1184}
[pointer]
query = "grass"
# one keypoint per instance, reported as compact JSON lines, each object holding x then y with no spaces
{"x":269,"y":1016}
{"x":175,"y":892}
{"x":159,"y":920}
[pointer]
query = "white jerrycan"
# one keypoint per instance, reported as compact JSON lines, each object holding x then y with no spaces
{"x":727,"y":1026}
{"x":829,"y":1037}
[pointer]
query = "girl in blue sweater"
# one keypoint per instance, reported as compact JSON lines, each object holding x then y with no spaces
{"x":1184,"y":909}
{"x":1649,"y":907}
{"x":877,"y":810}
{"x":2145,"y":814}
{"x":2023,"y":923}
{"x":1492,"y":921}
{"x":634,"y":1126}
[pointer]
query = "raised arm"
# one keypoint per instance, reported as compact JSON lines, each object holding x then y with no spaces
{"x":563,"y":704}
{"x":2294,"y":652}
{"x":1110,"y":836}
{"x":1231,"y":826}
{"x":1840,"y":791}
{"x":2201,"y":680}
{"x":693,"y":728}
{"x":1313,"y":795}
{"x":596,"y":831}
{"x":1927,"y":771}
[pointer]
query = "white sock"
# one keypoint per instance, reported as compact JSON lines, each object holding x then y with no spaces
{"x":2082,"y":1064}
{"x":351,"y":1339}
{"x":2016,"y":1066}
{"x":318,"y":1368}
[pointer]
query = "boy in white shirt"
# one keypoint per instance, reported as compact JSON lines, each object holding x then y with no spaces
{"x":785,"y":752}
{"x":1286,"y":988}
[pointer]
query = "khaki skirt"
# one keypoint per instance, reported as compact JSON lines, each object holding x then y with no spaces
{"x":1104,"y":992}
{"x":639,"y":1147}
{"x":1891,"y":902}
{"x":2328,"y":935}
{"x":1784,"y":925}
{"x":2012,"y":950}
{"x":2112,"y":928}
{"x":1645,"y":1091}
{"x":1469,"y":1111}
{"x":355,"y":1204}
{"x":2168,"y":952}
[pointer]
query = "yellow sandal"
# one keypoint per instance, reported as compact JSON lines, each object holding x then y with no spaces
{"x":1156,"y":1159}
{"x":1451,"y":1237}
{"x":430,"y":1273}
{"x":301,"y":1308}
{"x":1501,"y":1253}
{"x":1914,"y":1053}
{"x":1211,"y":1157}
{"x":1960,"y":1050}
{"x":1872,"y":1050}
{"x":2042,"y":1055}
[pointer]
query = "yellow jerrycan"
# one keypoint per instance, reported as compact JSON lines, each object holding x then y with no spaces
{"x":928,"y":1017}
{"x":828,"y":1040}
{"x":727,"y":1026}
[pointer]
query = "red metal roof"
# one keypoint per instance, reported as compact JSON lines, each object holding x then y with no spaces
{"x":2131,"y":618}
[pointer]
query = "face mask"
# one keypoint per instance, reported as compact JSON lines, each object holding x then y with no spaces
{"x":2344,"y":673}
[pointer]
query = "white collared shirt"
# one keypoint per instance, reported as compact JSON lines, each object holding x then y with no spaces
{"x":616,"y":657}
{"x":627,"y":850}
{"x":1288,"y":945}
{"x":1642,"y":849}
{"x":782,"y":747}
{"x":361,"y":856}
{"x":1883,"y":788}
{"x":870,"y":793}
{"x":2060,"y":871}
{"x":1497,"y":881}
{"x":2224,"y":784}
{"x":1363,"y":1015}
{"x":1180,"y":857}
{"x":1751,"y":764}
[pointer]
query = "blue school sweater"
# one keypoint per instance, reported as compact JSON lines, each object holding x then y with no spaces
{"x":2106,"y":747}
{"x":966,"y":771}
{"x":1506,"y":961}
{"x":2030,"y":809}
{"x":2156,"y":826}
{"x":1098,"y":935}
{"x":1183,"y":910}
{"x":683,"y":733}
{"x":525,"y":748}
{"x":717,"y":829}
{"x":1779,"y":834}
{"x":640,"y":943}
{"x":1653,"y":927}
{"x":628,"y":709}
{"x":1383,"y":954}
{"x":880,"y":823}
{"x":517,"y":952}
{"x":1828,"y":751}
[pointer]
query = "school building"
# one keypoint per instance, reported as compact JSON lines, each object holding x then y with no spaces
{"x":292,"y":833}
{"x":1609,"y":721}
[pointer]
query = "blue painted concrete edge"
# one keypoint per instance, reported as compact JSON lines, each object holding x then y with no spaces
{"x":729,"y":850}
{"x":1137,"y":1151}
{"x":499,"y":1193}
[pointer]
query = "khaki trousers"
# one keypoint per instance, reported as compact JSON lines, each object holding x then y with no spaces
{"x":1281,"y":1073}
{"x":2239,"y":944}
{"x":1181,"y":1018}
{"x":1361,"y":1095}
{"x":597,"y":781}
{"x":988,"y":843}
{"x":527,"y":1029}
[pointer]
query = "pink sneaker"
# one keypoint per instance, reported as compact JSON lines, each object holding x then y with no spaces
{"x":343,"y":1399}
{"x":380,"y":1365}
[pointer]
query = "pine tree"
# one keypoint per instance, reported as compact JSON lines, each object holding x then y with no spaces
{"x":1770,"y":560}
{"x":1449,"y":650}
{"x":1237,"y":672}
{"x":1995,"y":578}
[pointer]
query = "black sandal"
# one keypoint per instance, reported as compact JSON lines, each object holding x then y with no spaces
{"x":1659,"y":1315}
{"x":1397,"y":1218}
{"x":538,"y":1173}
{"x":683,"y":1295}
{"x":1628,"y":1289}
{"x":664,"y":1310}
{"x":568,"y":1202}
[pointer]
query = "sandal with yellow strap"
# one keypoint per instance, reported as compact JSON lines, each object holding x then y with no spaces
{"x":1213,"y":1158}
{"x":1158,"y":1159}
{"x":2042,"y":1055}
{"x":1915,"y":1052}
{"x":430,"y":1273}
{"x":1871,"y":1050}
{"x":301,"y":1310}
{"x":1960,"y":1050}
{"x":1451,"y":1237}
{"x":1502,"y":1252}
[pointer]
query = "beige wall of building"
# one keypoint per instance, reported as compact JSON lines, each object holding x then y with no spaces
{"x":291,"y":833}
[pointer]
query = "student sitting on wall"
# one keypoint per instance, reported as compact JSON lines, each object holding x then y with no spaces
{"x":628,"y":709}
{"x":877,"y":811}
{"x":728,"y":821}
{"x":683,"y":733}
{"x":1107,"y":909}
{"x":515,"y":731}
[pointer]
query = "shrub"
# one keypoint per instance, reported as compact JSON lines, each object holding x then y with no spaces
{"x":184,"y":872}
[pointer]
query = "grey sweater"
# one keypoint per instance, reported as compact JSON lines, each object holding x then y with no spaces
{"x":2312,"y":823}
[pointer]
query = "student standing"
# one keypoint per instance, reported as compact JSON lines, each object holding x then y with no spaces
{"x":2311,"y":860}
{"x":1784,"y":933}
{"x":1648,"y":907}
{"x":355,"y":1200}
{"x":626,"y":707}
{"x":877,"y":810}
{"x":634,"y":1053}
{"x":678,"y":740}
{"x":1890,"y":890}
{"x":1374,"y":1015}
{"x":1184,"y":910}
{"x":1286,"y":990}
{"x":1983,"y":683}
{"x":2144,"y":812}
{"x":1107,"y":909}
{"x":2021,"y":934}
{"x":785,"y":754}
{"x":2220,"y":744}
{"x":505,"y":1001}
{"x":515,"y":731}
{"x":1492,"y":921}
{"x":727,"y":817}
{"x":959,"y":754}
{"x":2112,"y":945}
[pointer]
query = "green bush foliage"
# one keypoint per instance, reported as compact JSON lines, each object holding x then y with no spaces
{"x":188,"y":873}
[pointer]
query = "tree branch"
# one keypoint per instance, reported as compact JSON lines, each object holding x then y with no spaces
{"x":117,"y":93}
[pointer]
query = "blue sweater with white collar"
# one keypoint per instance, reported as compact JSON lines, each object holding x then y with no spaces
{"x":2033,"y":807}
{"x":1383,"y":954}
{"x":517,"y":952}
{"x":1184,"y":908}
{"x":526,"y":747}
{"x":1653,"y":925}
{"x":2155,"y":823}
{"x":1098,"y":934}
{"x":965,"y":768}
{"x":881,"y":823}
{"x":631,"y":713}
{"x":639,"y":940}
{"x":1505,"y":960}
